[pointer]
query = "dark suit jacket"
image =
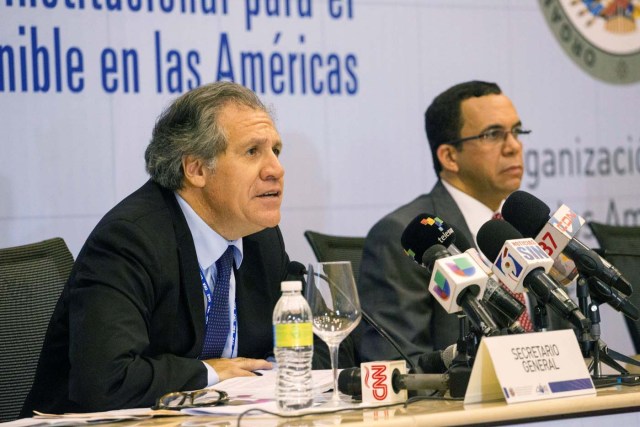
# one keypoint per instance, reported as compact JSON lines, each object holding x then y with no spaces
{"x":393,"y":289}
{"x":129,"y":325}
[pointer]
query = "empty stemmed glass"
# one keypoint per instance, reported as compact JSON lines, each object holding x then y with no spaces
{"x":332,"y":295}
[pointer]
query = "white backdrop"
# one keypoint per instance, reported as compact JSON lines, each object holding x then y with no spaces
{"x":354,"y":144}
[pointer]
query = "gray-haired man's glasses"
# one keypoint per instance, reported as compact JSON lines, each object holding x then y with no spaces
{"x":494,"y":136}
{"x":191,"y":399}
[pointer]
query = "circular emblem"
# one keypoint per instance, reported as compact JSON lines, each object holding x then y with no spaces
{"x":602,"y":37}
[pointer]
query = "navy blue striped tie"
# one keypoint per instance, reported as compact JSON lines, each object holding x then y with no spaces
{"x":218,"y":323}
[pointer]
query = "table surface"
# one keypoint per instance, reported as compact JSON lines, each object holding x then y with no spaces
{"x":433,"y":413}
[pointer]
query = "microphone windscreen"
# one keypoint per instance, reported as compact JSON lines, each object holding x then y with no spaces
{"x":432,"y":363}
{"x":525,"y":212}
{"x":433,"y":254}
{"x":296,"y":269}
{"x":493,"y":234}
{"x":448,"y":354}
{"x":349,"y":382}
{"x":437,"y":362}
{"x":424,"y":231}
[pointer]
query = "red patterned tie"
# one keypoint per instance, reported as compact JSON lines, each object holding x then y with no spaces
{"x":524,"y":319}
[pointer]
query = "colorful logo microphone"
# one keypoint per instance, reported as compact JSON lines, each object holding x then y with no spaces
{"x":442,"y":288}
{"x":462,"y":267}
{"x":508,"y":265}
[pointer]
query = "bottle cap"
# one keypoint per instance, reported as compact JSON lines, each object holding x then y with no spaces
{"x":289,"y":286}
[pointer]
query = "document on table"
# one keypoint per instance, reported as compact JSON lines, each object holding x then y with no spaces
{"x":42,"y":419}
{"x":259,"y":393}
{"x":247,"y":393}
{"x":264,"y":385}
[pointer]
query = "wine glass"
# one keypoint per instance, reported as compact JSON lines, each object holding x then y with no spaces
{"x":332,"y":295}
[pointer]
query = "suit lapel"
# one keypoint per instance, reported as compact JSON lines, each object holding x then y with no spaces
{"x":190,"y":283}
{"x":446,"y":207}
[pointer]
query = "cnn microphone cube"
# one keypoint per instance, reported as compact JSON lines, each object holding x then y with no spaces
{"x":377,"y":381}
{"x":516,"y":259}
{"x":451,"y":275}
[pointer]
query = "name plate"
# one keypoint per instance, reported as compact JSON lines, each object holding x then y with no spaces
{"x":527,"y":367}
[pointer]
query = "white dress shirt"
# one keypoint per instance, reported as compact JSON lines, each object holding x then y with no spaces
{"x":475,"y":213}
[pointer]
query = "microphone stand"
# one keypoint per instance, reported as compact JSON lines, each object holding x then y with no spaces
{"x":460,"y":369}
{"x":591,"y":310}
{"x":593,"y":346}
{"x":540,"y":319}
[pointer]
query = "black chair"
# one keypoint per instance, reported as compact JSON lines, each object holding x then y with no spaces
{"x":31,"y":281}
{"x":337,"y":248}
{"x":620,"y":245}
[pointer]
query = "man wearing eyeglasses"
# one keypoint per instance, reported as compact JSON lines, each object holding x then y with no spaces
{"x":475,"y":136}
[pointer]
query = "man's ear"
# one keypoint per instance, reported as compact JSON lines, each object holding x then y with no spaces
{"x":448,"y":157}
{"x":195,"y":171}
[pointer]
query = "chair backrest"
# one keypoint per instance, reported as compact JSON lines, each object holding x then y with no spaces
{"x":620,"y":246}
{"x":31,"y":281}
{"x":337,"y":248}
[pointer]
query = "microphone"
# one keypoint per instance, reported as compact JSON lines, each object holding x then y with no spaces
{"x":457,"y":283}
{"x":600,"y":292}
{"x":530,"y":216}
{"x":608,"y":252}
{"x":426,"y":230}
{"x":297,"y":269}
{"x":506,"y":309}
{"x":350,"y":381}
{"x":438,"y":361}
{"x":522,"y":264}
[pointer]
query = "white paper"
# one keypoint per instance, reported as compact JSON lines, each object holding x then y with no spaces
{"x":43,"y":419}
{"x":244,"y":393}
{"x":247,"y":393}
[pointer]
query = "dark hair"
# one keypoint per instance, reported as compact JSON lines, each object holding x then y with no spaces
{"x":189,"y":126}
{"x":443,"y":118}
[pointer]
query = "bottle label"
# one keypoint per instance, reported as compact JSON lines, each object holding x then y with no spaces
{"x":293,"y":335}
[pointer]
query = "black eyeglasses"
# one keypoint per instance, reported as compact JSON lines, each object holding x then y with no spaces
{"x":494,"y":136}
{"x":191,"y":399}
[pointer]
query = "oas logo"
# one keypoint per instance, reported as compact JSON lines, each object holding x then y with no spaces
{"x":602,"y":37}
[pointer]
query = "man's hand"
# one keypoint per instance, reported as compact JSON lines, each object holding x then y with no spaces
{"x":237,"y":367}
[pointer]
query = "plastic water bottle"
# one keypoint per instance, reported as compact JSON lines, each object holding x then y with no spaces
{"x":293,"y":348}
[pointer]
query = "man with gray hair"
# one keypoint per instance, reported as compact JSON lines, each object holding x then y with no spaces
{"x":175,"y":287}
